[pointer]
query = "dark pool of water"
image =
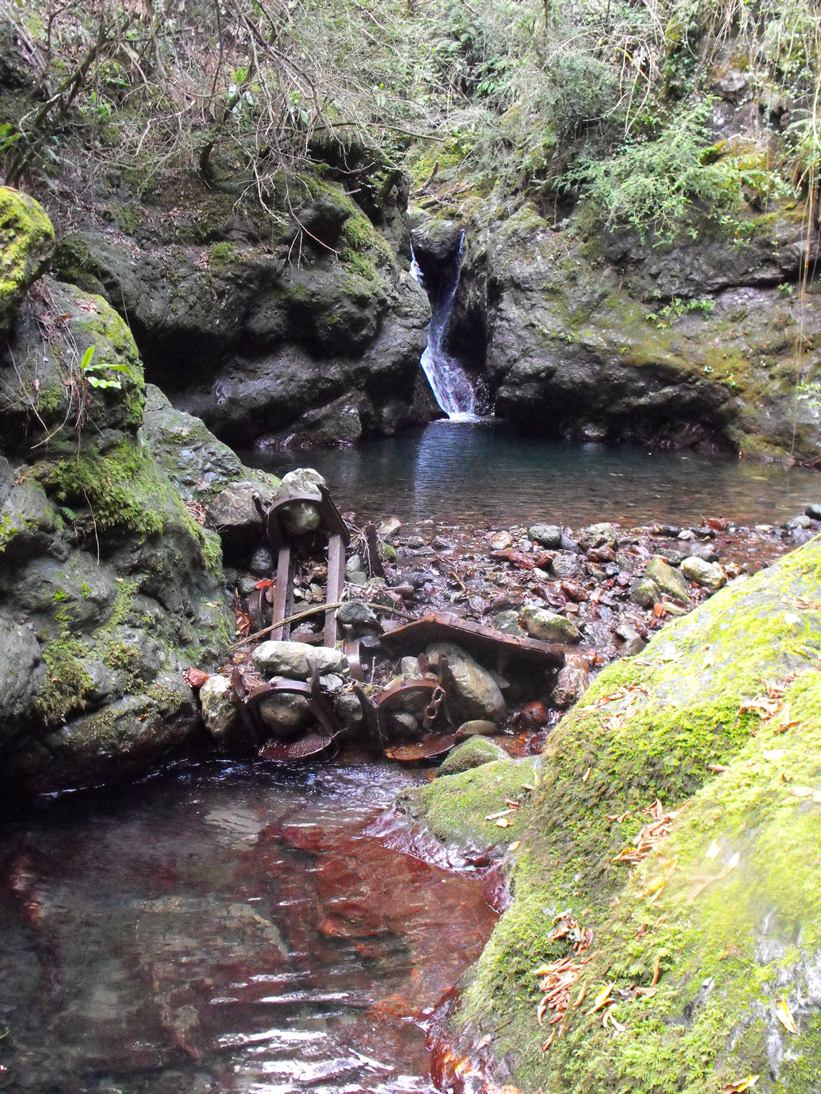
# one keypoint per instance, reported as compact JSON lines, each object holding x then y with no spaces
{"x":482,"y":472}
{"x":227,"y":928}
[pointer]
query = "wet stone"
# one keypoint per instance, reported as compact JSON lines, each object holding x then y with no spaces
{"x":668,"y":580}
{"x":284,"y":714}
{"x":547,"y":535}
{"x":645,"y":593}
{"x":566,"y":565}
{"x":508,"y":623}
{"x":572,"y":681}
{"x":471,"y":753}
{"x":478,"y":727}
{"x":814,"y":511}
{"x":357,"y":615}
{"x":706,"y":574}
{"x":262,"y":562}
{"x":472,"y":691}
{"x":549,"y":626}
{"x":218,"y":712}
{"x":500,"y":541}
{"x":291,"y":659}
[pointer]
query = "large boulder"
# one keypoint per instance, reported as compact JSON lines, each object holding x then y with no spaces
{"x":685,"y":344}
{"x":666,"y":863}
{"x":310,"y":333}
{"x":110,"y":587}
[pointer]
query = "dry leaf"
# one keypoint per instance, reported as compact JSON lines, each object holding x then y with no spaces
{"x":714,"y":850}
{"x":501,"y":813}
{"x":515,"y":845}
{"x":740,"y":1085}
{"x":586,"y":775}
{"x":502,"y":822}
{"x":784,"y":1016}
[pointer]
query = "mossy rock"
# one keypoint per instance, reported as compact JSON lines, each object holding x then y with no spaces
{"x":471,"y":753}
{"x":722,"y":913}
{"x":26,"y":244}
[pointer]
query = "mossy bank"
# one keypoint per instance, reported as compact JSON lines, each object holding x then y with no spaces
{"x":705,"y":934}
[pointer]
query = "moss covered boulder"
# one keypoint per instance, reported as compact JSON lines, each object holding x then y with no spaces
{"x":110,"y":585}
{"x":26,"y":244}
{"x":673,"y":829}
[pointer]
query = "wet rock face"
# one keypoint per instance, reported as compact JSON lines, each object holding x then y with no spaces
{"x":259,"y":345}
{"x":690,"y":345}
{"x":110,"y":586}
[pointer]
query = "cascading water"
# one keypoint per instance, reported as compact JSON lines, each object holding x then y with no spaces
{"x":451,"y":385}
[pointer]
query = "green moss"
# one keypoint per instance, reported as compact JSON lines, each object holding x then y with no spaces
{"x":659,"y":726}
{"x":455,"y":808}
{"x":26,"y":241}
{"x":68,"y":684}
{"x":121,"y":489}
{"x":221,"y":255}
{"x":212,"y":552}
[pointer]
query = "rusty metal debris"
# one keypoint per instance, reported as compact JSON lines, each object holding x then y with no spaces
{"x":410,"y":717}
{"x":474,"y":637}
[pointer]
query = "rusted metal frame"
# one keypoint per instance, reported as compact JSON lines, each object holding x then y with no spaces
{"x":335,"y":584}
{"x":284,"y":591}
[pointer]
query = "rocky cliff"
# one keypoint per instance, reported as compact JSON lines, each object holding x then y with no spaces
{"x":590,"y":334}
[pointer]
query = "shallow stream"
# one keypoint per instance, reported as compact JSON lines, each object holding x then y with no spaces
{"x":226,"y":928}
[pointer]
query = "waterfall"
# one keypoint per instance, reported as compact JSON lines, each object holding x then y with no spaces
{"x":451,"y":385}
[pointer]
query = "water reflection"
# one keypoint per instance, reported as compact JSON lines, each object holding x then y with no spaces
{"x":230,"y":929}
{"x":469,"y":471}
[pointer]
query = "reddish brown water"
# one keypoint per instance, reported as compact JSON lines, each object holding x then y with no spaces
{"x":226,"y":928}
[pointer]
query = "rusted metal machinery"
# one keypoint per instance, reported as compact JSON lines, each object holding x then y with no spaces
{"x":330,"y":525}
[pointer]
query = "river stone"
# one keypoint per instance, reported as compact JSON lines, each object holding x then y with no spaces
{"x":284,"y":714}
{"x":291,"y":659}
{"x":470,"y":754}
{"x":300,"y":517}
{"x":566,"y":565}
{"x":477,"y":728}
{"x":572,"y":681}
{"x":508,"y":623}
{"x":548,"y":535}
{"x":262,"y":562}
{"x":348,"y":709}
{"x":218,"y":712}
{"x":500,"y":541}
{"x":632,"y":641}
{"x":668,"y":580}
{"x":813,"y":511}
{"x":645,"y":593}
{"x":409,"y":666}
{"x":599,"y":535}
{"x":472,"y":691}
{"x":403,"y":724}
{"x":357,"y":614}
{"x":707,"y":574}
{"x":549,"y":626}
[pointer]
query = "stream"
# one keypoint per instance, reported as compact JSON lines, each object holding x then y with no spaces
{"x":483,"y":472}
{"x":226,"y":927}
{"x":235,"y":927}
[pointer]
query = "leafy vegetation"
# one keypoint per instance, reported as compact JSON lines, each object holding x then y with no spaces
{"x":610,"y":100}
